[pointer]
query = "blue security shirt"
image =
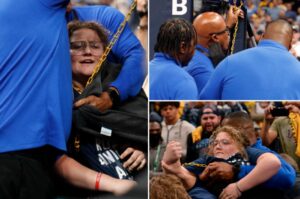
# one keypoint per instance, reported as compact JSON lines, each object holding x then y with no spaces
{"x":168,"y":81}
{"x":127,"y":50}
{"x":266,"y":72}
{"x":200,"y":67}
{"x":35,"y":75}
{"x":284,"y":179}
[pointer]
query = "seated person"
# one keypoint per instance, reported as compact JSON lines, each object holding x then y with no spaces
{"x":227,"y":145}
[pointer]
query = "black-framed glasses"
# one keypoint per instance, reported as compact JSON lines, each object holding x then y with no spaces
{"x":226,"y":30}
{"x":79,"y":47}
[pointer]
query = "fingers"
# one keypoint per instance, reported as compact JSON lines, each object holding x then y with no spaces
{"x":136,"y":160}
{"x":143,"y":163}
{"x":128,"y":151}
{"x":135,"y":163}
{"x":80,"y":102}
{"x":102,"y":103}
{"x":205,"y":174}
{"x":222,"y":195}
{"x":90,"y":100}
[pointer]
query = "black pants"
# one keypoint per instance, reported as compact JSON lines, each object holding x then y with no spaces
{"x":26,"y":174}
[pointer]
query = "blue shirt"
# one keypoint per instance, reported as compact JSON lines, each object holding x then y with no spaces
{"x":200,"y":67}
{"x":127,"y":50}
{"x":284,"y":179}
{"x":266,"y":72}
{"x":35,"y":75}
{"x":168,"y":81}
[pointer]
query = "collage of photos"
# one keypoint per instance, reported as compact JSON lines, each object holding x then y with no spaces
{"x":147,"y":99}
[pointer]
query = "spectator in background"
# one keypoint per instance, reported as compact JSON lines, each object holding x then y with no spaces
{"x":282,"y":133}
{"x":157,"y":149}
{"x":276,"y":9}
{"x":198,"y":140}
{"x":289,"y":13}
{"x":295,"y":50}
{"x":174,"y":48}
{"x":141,"y":31}
{"x":173,"y":128}
{"x":251,"y":8}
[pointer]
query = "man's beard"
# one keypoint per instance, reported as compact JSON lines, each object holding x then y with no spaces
{"x":216,"y":53}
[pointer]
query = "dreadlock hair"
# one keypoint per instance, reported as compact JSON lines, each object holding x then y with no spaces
{"x":167,"y":186}
{"x":172,"y":33}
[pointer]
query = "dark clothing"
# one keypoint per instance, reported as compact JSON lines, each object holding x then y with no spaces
{"x":28,"y":174}
{"x":197,"y":148}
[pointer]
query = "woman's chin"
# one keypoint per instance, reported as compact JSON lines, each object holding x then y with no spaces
{"x":220,"y":155}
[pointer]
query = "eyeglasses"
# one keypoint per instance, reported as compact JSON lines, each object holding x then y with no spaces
{"x":79,"y":47}
{"x":226,"y":30}
{"x":222,"y":142}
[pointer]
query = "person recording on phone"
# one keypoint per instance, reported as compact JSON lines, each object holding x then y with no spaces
{"x":281,"y":129}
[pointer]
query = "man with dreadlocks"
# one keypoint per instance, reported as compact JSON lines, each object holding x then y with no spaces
{"x":174,"y":48}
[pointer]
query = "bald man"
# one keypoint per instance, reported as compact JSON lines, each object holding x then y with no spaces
{"x":212,"y":44}
{"x":267,"y":71}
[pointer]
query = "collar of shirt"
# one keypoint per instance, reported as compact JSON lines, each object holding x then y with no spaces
{"x":257,"y":143}
{"x":271,"y":43}
{"x":160,"y":55}
{"x":202,"y":49}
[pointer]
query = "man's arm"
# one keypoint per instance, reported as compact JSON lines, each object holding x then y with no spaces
{"x":283,"y":179}
{"x":267,"y":165}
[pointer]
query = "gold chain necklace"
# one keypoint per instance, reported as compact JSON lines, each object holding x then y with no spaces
{"x":113,"y":41}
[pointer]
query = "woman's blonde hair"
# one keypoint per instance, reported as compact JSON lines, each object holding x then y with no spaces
{"x":167,"y":186}
{"x":239,"y":138}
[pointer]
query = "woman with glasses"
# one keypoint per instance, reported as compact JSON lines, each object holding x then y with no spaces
{"x":227,"y":145}
{"x":111,"y":166}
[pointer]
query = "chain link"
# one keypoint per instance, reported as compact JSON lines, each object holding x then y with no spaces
{"x":112,"y":42}
{"x":235,"y":27}
{"x":195,"y":164}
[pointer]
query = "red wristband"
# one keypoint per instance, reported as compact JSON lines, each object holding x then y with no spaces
{"x":97,"y":184}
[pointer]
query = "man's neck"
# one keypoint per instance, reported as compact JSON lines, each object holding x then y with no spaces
{"x":172,"y":122}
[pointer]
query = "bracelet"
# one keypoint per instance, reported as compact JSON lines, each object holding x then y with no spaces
{"x":97,"y":184}
{"x":238,"y":187}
